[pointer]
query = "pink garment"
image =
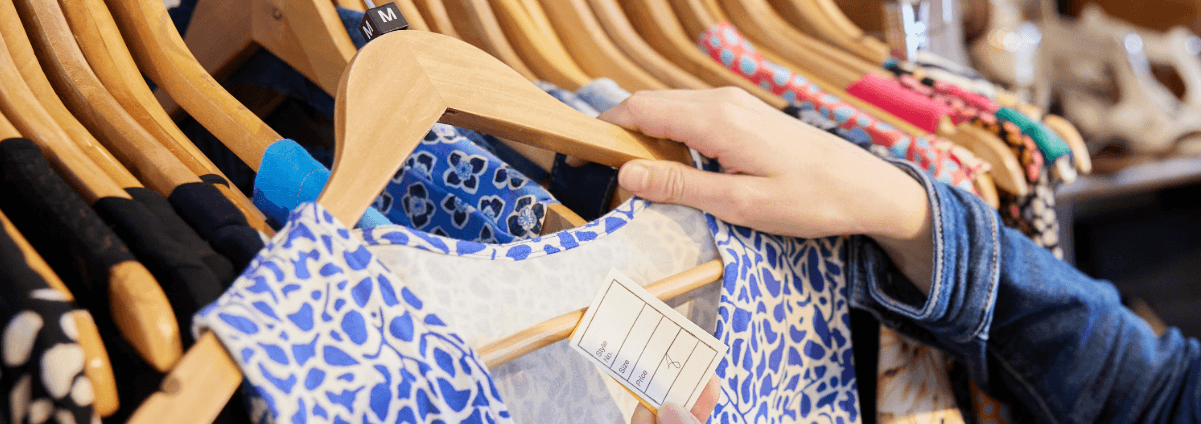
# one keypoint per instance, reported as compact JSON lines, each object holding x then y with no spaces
{"x":954,"y":166}
{"x":889,"y":95}
{"x":976,"y":100}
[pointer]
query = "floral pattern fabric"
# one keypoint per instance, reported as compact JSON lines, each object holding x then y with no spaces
{"x":453,"y":187}
{"x":324,"y":332}
{"x":724,"y":44}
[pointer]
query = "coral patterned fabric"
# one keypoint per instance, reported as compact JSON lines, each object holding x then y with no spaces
{"x":954,"y":166}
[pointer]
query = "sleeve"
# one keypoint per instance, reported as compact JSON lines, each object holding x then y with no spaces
{"x":1031,"y":329}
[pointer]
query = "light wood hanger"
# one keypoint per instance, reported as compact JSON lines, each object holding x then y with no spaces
{"x":540,"y":51}
{"x":477,"y":24}
{"x":27,"y":64}
{"x":83,"y":93}
{"x":447,"y":80}
{"x":412,"y":15}
{"x":1070,"y":135}
{"x":823,"y":18}
{"x":162,"y":55}
{"x":835,"y":79}
{"x":768,"y":31}
{"x":453,"y":72}
{"x":101,"y":43}
{"x":588,"y":43}
{"x":657,"y":23}
{"x":96,"y":365}
{"x":355,"y":5}
{"x":139,"y":306}
{"x":1006,"y":170}
{"x":622,"y":33}
{"x":435,"y":14}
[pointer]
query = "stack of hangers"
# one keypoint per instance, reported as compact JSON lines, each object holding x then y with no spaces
{"x":196,"y":261}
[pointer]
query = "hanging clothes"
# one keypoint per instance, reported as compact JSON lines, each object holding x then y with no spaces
{"x":41,"y":366}
{"x":322,"y":329}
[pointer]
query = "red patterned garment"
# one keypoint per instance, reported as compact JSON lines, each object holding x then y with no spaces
{"x":939,"y":157}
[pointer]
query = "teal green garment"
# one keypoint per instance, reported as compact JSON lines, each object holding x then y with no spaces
{"x":1050,"y":144}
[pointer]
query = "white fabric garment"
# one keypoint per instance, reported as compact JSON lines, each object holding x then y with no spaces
{"x":487,"y":292}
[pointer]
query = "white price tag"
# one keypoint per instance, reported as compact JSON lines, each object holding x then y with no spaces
{"x":656,"y":353}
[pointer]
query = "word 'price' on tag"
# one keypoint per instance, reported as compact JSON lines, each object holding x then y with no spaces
{"x":656,"y":353}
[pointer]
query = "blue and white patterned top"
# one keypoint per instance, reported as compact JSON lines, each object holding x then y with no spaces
{"x":323,"y":331}
{"x":451,"y":186}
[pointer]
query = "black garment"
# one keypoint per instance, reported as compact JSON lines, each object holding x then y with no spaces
{"x":586,"y":189}
{"x":177,"y":257}
{"x":220,"y":222}
{"x":41,"y":369}
{"x":72,"y":238}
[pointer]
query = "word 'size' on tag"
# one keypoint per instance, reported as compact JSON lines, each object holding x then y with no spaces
{"x":648,"y":347}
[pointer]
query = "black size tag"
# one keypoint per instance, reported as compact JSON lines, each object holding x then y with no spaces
{"x":382,"y":20}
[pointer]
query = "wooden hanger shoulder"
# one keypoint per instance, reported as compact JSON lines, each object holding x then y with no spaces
{"x":831,"y":25}
{"x":437,"y":18}
{"x":413,"y":15}
{"x":1070,"y":135}
{"x":477,"y":24}
{"x":83,"y":93}
{"x":588,"y":43}
{"x":29,"y":68}
{"x":540,"y":51}
{"x":162,"y":55}
{"x":1006,"y":170}
{"x":619,"y":29}
{"x":139,"y":306}
{"x":657,"y":23}
{"x":446,"y":82}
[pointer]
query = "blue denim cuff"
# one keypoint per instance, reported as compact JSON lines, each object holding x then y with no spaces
{"x":963,"y":292}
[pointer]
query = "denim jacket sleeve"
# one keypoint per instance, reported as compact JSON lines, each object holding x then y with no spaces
{"x":1030,"y":328}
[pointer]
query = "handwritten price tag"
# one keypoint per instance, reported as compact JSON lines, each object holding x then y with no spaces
{"x":648,"y":347}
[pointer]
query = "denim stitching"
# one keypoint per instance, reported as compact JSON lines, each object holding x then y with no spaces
{"x":1022,"y":381}
{"x":995,"y":276}
{"x":932,"y":299}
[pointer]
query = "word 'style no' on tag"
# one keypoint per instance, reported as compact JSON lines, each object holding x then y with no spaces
{"x":656,"y":353}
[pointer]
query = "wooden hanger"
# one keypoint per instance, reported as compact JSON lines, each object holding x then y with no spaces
{"x":96,"y":365}
{"x":139,"y":307}
{"x":412,"y":15}
{"x":476,"y":24}
{"x":770,"y":32}
{"x":101,"y":43}
{"x":446,"y":80}
{"x":435,"y":14}
{"x":440,"y":68}
{"x":823,"y":18}
{"x":657,"y":23}
{"x":27,"y":64}
{"x":538,"y":50}
{"x":83,"y":93}
{"x":588,"y":43}
{"x":1006,"y":170}
{"x":162,"y":55}
{"x":355,"y":5}
{"x":622,"y":33}
{"x":1070,"y":135}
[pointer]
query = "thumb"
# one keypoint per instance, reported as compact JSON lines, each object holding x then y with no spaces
{"x":670,"y":413}
{"x":672,"y":182}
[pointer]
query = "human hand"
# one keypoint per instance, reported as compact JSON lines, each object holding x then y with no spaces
{"x":782,"y":176}
{"x":671,"y":413}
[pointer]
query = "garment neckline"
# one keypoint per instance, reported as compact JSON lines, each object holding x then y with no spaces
{"x":399,"y":235}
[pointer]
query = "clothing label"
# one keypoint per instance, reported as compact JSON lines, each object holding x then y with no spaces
{"x":656,"y":353}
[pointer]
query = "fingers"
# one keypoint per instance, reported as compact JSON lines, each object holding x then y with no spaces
{"x":671,"y":413}
{"x":703,"y":126}
{"x":642,"y":416}
{"x":670,"y":182}
{"x":730,"y":95}
{"x":708,"y":400}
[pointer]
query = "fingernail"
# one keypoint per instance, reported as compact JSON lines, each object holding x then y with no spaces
{"x":635,"y":177}
{"x":670,"y":413}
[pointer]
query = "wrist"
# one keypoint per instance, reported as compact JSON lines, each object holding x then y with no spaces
{"x":899,"y":218}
